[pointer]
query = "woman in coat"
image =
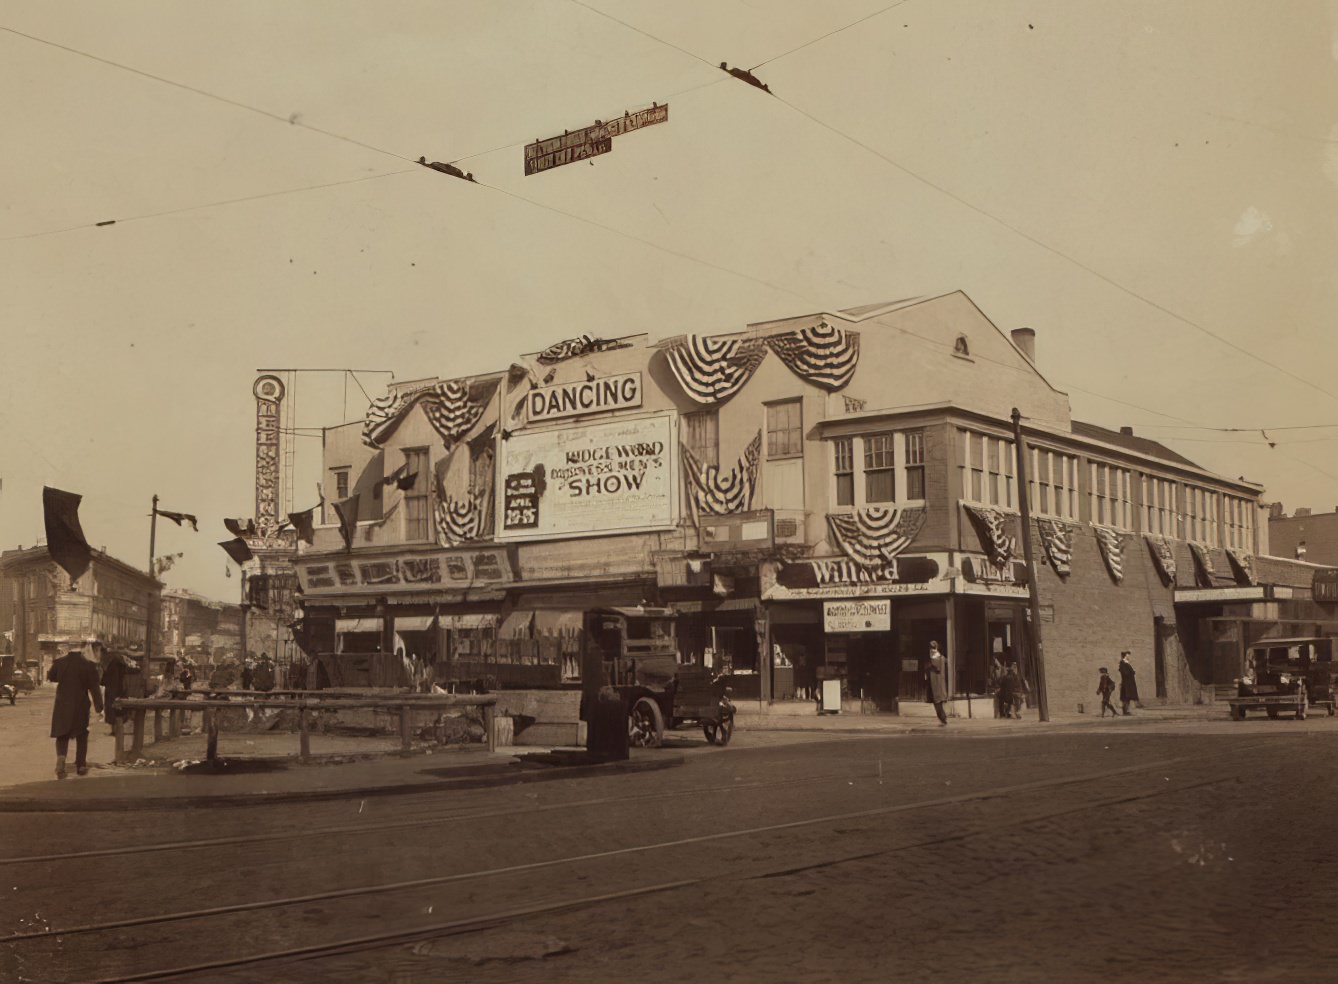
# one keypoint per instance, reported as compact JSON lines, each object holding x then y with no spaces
{"x":1128,"y":685}
{"x":76,"y":681}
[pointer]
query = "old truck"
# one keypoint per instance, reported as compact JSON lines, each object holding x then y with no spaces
{"x":1286,"y":676}
{"x":634,"y":651}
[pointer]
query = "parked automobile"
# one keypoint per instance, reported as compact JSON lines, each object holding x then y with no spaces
{"x":1286,"y":676}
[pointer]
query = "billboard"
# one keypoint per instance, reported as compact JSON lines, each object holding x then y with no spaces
{"x":604,"y":477}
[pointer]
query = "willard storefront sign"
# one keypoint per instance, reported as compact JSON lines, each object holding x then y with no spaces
{"x":597,"y":478}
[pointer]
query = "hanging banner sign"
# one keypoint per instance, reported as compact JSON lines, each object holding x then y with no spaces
{"x":584,"y":396}
{"x":600,"y":477}
{"x":628,"y":122}
{"x":577,"y":145}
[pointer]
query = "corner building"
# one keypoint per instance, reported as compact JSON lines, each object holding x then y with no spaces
{"x":817,"y":498}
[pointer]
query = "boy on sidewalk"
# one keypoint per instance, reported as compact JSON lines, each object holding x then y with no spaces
{"x":1105,"y":688}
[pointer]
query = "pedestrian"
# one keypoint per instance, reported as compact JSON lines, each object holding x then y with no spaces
{"x":263,"y":677}
{"x":186,"y":677}
{"x":113,"y":685}
{"x":938,"y":683}
{"x":76,"y":680}
{"x":1128,"y":685}
{"x":248,"y":674}
{"x":1104,"y":688}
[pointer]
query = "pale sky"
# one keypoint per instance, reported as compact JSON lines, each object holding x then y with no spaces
{"x":1149,"y":185}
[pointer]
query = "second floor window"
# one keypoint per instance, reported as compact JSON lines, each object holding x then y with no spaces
{"x":987,"y":469}
{"x":879,"y":469}
{"x":417,"y":498}
{"x":784,"y":430}
{"x":701,"y":432}
{"x":845,"y":471}
{"x":341,"y":483}
{"x":915,"y":464}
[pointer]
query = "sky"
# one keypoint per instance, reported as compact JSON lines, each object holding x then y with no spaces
{"x":1152,"y":187}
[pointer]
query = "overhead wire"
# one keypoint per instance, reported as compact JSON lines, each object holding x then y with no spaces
{"x":829,"y":34}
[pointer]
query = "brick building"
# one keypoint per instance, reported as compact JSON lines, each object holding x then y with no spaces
{"x":199,"y":628}
{"x":1305,"y":535}
{"x":817,"y":497}
{"x":48,"y":614}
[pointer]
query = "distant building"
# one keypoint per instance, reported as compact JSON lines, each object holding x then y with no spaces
{"x":48,"y":614}
{"x":1308,"y":536}
{"x":196,"y":627}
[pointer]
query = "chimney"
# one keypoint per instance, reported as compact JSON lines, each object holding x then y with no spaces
{"x":1025,"y":340}
{"x":1127,"y":431}
{"x":1301,"y":511}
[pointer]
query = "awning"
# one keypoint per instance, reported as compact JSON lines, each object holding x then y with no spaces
{"x":459,"y":622}
{"x":558,"y":623}
{"x":413,"y":623}
{"x":516,"y":625}
{"x":357,"y":625}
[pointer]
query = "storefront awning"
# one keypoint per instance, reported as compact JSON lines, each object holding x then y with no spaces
{"x":459,"y":622}
{"x":413,"y":623}
{"x":357,"y":625}
{"x":558,"y":623}
{"x":516,"y":625}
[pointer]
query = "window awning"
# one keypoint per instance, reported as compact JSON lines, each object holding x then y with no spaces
{"x":516,"y":625}
{"x":358,"y":625}
{"x":413,"y":623}
{"x":558,"y":623}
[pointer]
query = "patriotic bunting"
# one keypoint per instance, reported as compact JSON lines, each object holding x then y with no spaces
{"x":711,"y":493}
{"x":1057,"y":538}
{"x":714,"y":369}
{"x":1242,"y":564}
{"x":998,"y":543}
{"x":1162,"y":555}
{"x":1111,"y":542}
{"x":823,"y":354}
{"x":452,"y":408}
{"x":1203,"y":565}
{"x":572,"y":347}
{"x":873,"y":537}
{"x":458,"y":520}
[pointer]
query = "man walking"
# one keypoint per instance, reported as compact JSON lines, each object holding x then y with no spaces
{"x":938,"y":683}
{"x":76,"y":680}
{"x":1128,"y":685}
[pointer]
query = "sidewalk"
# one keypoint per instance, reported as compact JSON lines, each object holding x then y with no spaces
{"x":261,"y":768}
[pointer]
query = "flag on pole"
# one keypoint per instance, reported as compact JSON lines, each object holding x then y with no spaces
{"x":179,"y":518}
{"x":237,"y":550}
{"x":305,"y":524}
{"x":348,"y":519}
{"x":64,"y":536}
{"x":239,"y":527}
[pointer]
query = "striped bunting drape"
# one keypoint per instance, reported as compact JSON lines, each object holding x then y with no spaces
{"x":383,"y":410}
{"x":989,"y":523}
{"x":822,"y":354}
{"x":1162,"y":555}
{"x":1057,"y":538}
{"x":452,"y":408}
{"x":458,"y":520}
{"x":713,"y":493}
{"x":1242,"y":563}
{"x":873,"y":537}
{"x":1111,"y":542}
{"x":451,"y":411}
{"x":714,"y":369}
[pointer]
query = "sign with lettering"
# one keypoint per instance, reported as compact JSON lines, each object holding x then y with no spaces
{"x":628,"y":122}
{"x":584,"y":396}
{"x":593,"y":478}
{"x":862,"y":615}
{"x":462,"y":568}
{"x":573,"y":146}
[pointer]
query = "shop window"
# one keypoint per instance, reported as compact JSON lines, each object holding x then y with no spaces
{"x":417,"y":505}
{"x":784,"y":430}
{"x":879,"y":469}
{"x":701,"y":432}
{"x":844,"y":450}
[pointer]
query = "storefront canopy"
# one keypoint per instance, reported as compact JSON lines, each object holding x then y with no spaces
{"x":357,"y":625}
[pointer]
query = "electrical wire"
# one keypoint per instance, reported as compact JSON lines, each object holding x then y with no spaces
{"x":786,"y":54}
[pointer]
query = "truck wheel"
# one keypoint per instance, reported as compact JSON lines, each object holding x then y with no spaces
{"x":645,"y":724}
{"x":726,"y":730}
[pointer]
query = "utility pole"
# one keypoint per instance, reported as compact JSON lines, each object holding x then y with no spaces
{"x":1033,"y":587}
{"x":148,"y":635}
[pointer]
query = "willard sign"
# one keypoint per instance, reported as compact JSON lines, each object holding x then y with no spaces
{"x":585,"y":396}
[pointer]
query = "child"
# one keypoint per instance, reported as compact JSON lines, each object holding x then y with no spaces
{"x":1105,"y":688}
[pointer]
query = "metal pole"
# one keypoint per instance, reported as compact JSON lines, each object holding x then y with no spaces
{"x":1033,"y":587}
{"x":245,"y":608}
{"x":148,"y":633}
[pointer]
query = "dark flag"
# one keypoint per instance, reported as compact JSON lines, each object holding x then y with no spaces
{"x":64,"y":536}
{"x":405,"y":483}
{"x":179,"y":518}
{"x":348,"y":519}
{"x":304,"y":523}
{"x":237,"y":528}
{"x":237,"y":550}
{"x":395,"y":477}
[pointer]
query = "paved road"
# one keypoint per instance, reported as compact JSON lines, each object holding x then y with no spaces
{"x":1190,"y":851}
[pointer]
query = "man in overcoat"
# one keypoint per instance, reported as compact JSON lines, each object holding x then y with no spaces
{"x":76,"y":680}
{"x":1128,"y":685}
{"x":938,"y":682}
{"x":114,"y":669}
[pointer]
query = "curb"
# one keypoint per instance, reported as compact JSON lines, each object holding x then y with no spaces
{"x":509,"y":774}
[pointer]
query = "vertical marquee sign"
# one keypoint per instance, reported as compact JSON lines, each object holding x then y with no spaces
{"x":269,"y":394}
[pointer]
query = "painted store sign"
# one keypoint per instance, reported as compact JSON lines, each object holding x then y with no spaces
{"x":455,"y":569}
{"x":593,"y":478}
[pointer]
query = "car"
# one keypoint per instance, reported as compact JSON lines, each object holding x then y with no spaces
{"x":22,"y":682}
{"x":7,"y":692}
